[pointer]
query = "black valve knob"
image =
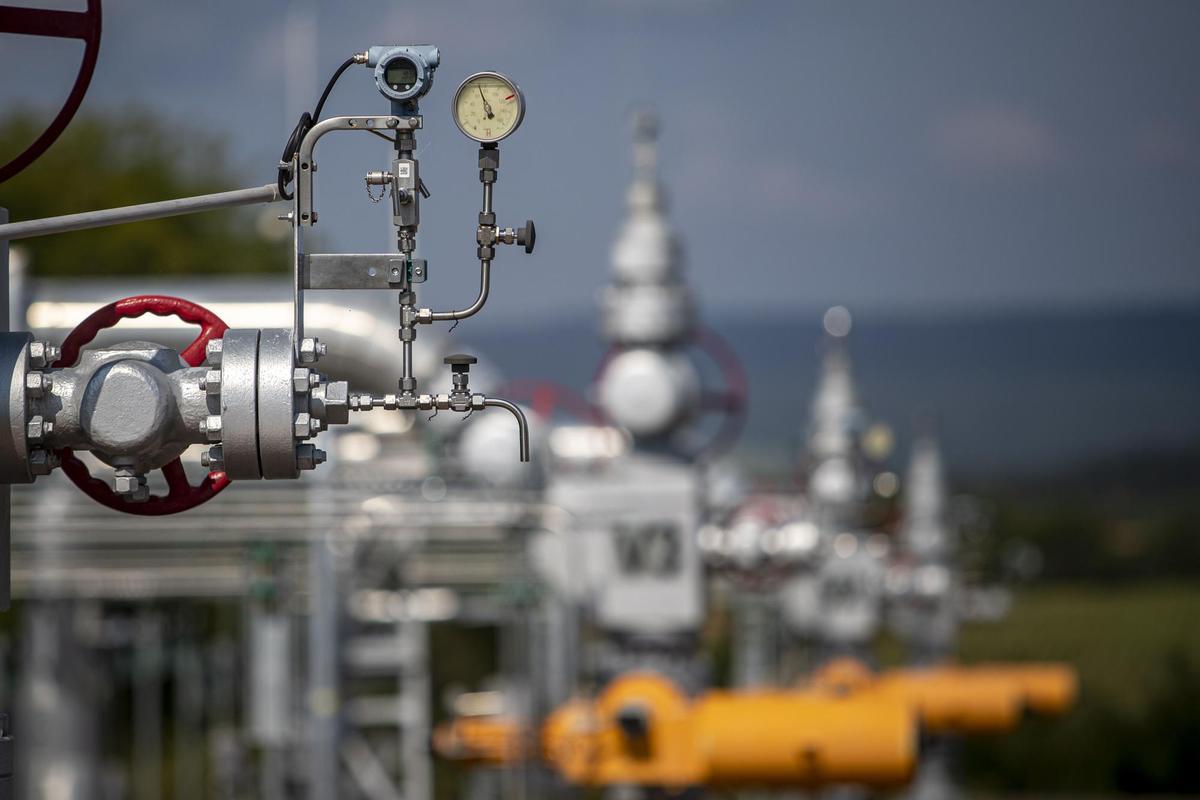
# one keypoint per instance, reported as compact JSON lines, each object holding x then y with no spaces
{"x":460,"y":362}
{"x":527,"y":236}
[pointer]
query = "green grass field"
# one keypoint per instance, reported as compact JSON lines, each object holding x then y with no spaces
{"x":1137,"y":725}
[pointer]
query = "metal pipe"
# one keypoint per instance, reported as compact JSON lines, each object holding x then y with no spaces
{"x":522,"y":424}
{"x":268,"y":193}
{"x":485,"y":273}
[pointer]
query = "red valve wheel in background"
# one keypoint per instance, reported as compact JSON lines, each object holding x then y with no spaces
{"x":180,"y":495}
{"x":83,"y":25}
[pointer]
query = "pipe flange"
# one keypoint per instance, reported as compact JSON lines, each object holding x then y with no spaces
{"x":239,"y":451}
{"x":15,"y":464}
{"x":277,"y":404}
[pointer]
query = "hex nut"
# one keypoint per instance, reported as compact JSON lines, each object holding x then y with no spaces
{"x":301,"y":379}
{"x":337,"y":403}
{"x":38,"y":383}
{"x":301,"y":426}
{"x":128,"y":484}
{"x":42,"y":462}
{"x":42,"y":354}
{"x":306,"y":456}
{"x":311,"y":350}
{"x":35,"y":428}
{"x":212,"y":427}
{"x":213,"y":458}
{"x":213,"y":351}
{"x":212,"y":382}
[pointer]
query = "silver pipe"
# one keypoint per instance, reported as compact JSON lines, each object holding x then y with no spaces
{"x":522,"y":424}
{"x":267,"y":193}
{"x":485,"y":273}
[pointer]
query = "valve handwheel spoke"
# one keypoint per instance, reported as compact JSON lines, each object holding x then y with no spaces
{"x":730,"y":402}
{"x":56,"y":24}
{"x":181,"y":495}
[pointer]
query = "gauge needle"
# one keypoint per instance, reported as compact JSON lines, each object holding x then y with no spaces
{"x":487,"y":107}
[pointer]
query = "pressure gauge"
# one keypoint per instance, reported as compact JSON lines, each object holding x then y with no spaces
{"x":488,"y":107}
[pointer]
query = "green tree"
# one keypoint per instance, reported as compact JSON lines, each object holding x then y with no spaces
{"x":103,"y":161}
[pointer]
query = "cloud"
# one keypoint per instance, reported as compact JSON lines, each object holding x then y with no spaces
{"x":989,"y":139}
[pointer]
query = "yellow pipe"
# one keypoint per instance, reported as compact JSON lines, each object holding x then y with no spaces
{"x":1049,"y":689}
{"x":988,"y":698}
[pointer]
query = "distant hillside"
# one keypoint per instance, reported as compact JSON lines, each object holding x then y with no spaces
{"x":1011,"y":393}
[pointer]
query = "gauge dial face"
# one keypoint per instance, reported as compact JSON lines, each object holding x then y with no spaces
{"x":488,"y":107}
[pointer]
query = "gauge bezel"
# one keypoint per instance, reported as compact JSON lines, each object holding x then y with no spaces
{"x":520,"y":105}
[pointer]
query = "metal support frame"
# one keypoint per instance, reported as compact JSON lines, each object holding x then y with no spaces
{"x":303,"y":214}
{"x":323,"y":701}
{"x":139,"y":213}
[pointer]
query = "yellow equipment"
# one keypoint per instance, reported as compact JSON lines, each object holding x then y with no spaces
{"x":989,"y":698}
{"x":847,"y":725}
{"x":492,"y":740}
{"x":642,"y":730}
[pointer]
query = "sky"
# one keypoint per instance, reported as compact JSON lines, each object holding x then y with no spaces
{"x":900,"y":158}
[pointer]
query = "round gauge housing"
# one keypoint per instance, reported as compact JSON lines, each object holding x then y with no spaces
{"x":488,"y":107}
{"x":406,"y":73}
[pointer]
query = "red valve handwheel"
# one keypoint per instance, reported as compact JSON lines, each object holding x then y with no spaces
{"x":83,"y":25}
{"x":180,"y":495}
{"x":730,"y":400}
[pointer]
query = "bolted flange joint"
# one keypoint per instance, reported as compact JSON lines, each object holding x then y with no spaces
{"x":214,"y":458}
{"x":213,"y":351}
{"x":42,"y":462}
{"x":211,"y":427}
{"x":308,"y":456}
{"x":131,"y":485}
{"x":37,"y":428}
{"x":211,"y":383}
{"x":42,"y":354}
{"x":305,"y":426}
{"x":311,"y":350}
{"x":37,"y":384}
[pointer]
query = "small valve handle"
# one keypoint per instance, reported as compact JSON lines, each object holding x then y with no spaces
{"x":460,"y":368}
{"x":460,"y":362}
{"x":527,"y":236}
